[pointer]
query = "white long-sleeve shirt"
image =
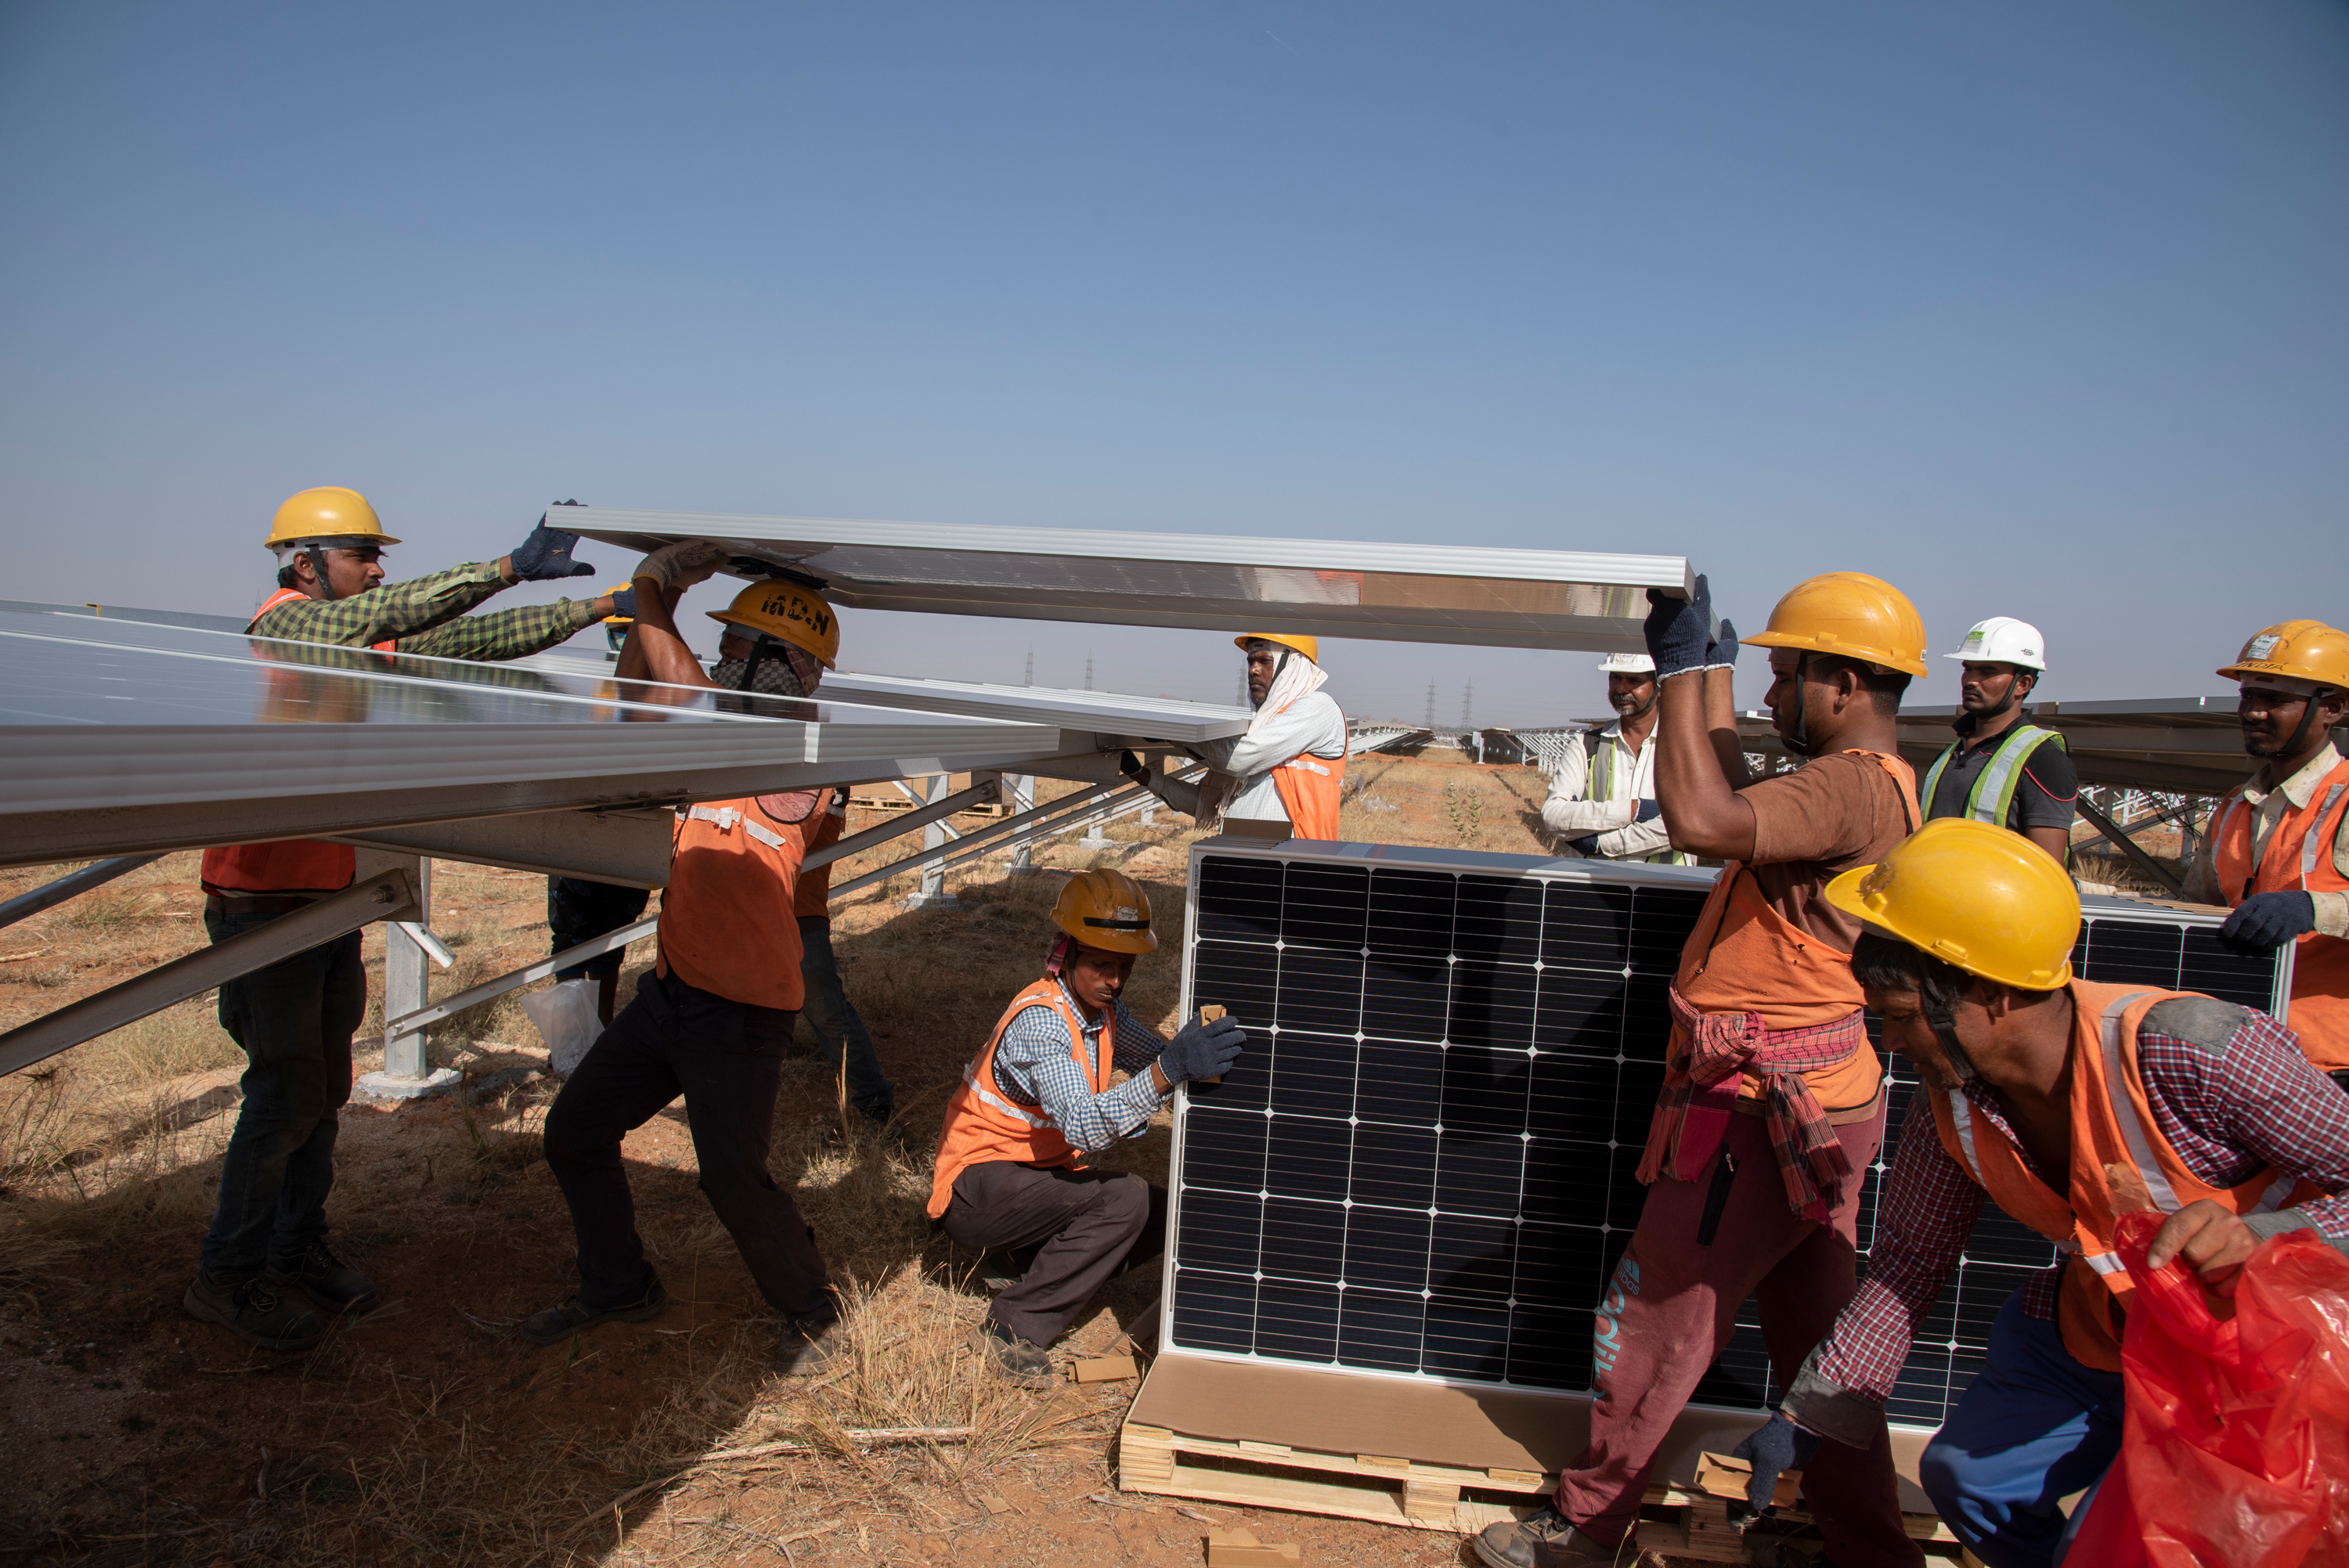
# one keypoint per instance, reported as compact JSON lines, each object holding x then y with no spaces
{"x":1621,"y":836}
{"x":1311,"y":725}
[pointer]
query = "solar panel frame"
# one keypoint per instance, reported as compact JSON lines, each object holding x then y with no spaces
{"x":1383,"y":1222}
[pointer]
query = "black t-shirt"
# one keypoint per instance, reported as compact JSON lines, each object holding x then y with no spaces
{"x":2044,"y":795}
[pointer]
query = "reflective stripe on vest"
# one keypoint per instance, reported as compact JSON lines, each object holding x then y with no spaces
{"x":2000,"y":776}
{"x":2116,"y":1095}
{"x":970,"y":1078}
{"x":728,"y":816}
{"x":2299,"y":853}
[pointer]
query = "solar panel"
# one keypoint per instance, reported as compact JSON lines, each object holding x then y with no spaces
{"x":300,"y":738}
{"x":1424,"y":1164}
{"x":1404,"y":593}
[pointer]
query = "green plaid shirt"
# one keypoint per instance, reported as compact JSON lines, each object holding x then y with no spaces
{"x":426,"y":615}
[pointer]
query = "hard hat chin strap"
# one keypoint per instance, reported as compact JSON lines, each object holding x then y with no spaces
{"x":1799,"y":742}
{"x":2300,"y":731}
{"x":318,"y":555}
{"x":1945,"y":1029}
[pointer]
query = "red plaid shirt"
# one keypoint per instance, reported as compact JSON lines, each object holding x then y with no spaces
{"x":2227,"y":1114}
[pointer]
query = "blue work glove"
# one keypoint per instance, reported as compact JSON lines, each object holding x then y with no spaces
{"x":1202,"y":1050}
{"x":623,"y":602}
{"x":1778,"y":1446}
{"x":1680,"y":631}
{"x":1723,"y":654}
{"x":546,"y":555}
{"x":1649,"y":811}
{"x":2266,"y":921}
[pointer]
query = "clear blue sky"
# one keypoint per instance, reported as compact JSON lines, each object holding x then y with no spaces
{"x":2034,"y":310}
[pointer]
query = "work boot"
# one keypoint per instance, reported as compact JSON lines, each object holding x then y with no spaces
{"x":1021,"y":1360}
{"x":1544,"y":1541}
{"x":325,"y":1278}
{"x":572,"y":1316}
{"x":813,"y":1342}
{"x":252,"y":1312}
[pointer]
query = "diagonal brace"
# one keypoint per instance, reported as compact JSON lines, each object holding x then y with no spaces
{"x":387,"y":895}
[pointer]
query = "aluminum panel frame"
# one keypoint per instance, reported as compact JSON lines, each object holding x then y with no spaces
{"x":1465,"y":595}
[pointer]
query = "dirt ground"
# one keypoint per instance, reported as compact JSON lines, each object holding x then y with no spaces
{"x":426,"y":1433}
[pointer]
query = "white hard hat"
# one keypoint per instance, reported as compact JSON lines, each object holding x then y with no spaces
{"x":1626,"y":664}
{"x":2004,"y":640}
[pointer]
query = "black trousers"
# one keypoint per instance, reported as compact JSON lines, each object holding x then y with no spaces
{"x":726,"y":1058}
{"x":1088,"y":1227}
{"x":294,"y":1020}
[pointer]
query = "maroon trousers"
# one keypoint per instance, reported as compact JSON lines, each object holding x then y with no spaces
{"x":1671,"y":1305}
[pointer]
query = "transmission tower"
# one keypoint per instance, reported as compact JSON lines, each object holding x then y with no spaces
{"x":1468,"y":706}
{"x":1431,"y":705}
{"x":1088,"y":669}
{"x":1029,"y":678}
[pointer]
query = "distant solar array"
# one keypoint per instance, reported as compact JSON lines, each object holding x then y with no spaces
{"x":1424,"y":1164}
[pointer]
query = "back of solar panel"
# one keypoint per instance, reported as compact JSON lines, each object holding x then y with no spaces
{"x":1425,"y":1165}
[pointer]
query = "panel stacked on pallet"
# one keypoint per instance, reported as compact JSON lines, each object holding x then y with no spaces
{"x":1424,"y":1164}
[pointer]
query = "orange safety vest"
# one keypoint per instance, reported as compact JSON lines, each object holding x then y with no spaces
{"x":289,"y":865}
{"x":726,"y":921}
{"x":285,"y":595}
{"x":2297,"y":857}
{"x":985,"y":1124}
{"x":1308,"y":787}
{"x":2112,"y":1124}
{"x":1743,"y":956}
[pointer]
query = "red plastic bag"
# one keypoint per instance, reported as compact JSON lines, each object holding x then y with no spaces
{"x":2235,"y":1446}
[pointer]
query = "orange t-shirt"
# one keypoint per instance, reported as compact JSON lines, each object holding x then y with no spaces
{"x":727,"y":920}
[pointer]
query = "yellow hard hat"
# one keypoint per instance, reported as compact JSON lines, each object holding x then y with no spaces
{"x":1106,"y":909}
{"x":798,"y":615}
{"x":1975,"y":895}
{"x":2299,"y":650}
{"x":1850,"y":614}
{"x":328,"y":511}
{"x":618,"y":620}
{"x":1310,"y":647}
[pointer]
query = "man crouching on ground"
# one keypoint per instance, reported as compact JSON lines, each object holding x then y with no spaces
{"x":713,"y":1021}
{"x":1039,"y":1096}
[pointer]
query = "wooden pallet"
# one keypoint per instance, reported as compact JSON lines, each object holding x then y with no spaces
{"x":1690,"y":1522}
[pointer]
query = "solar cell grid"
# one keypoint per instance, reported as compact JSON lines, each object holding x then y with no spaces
{"x":1425,"y":1163}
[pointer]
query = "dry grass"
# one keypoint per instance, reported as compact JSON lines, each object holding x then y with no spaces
{"x":422,"y":1435}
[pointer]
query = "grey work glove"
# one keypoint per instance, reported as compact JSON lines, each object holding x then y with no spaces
{"x":681,"y":564}
{"x":1202,"y":1051}
{"x":623,"y":602}
{"x":1780,"y":1446}
{"x":546,"y":555}
{"x":1680,"y":631}
{"x":2266,"y":921}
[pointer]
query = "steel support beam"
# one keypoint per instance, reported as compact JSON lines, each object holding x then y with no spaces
{"x":473,"y":997}
{"x":48,"y":895}
{"x":629,"y":848}
{"x":2146,"y":864}
{"x":386,"y":894}
{"x":979,"y":794}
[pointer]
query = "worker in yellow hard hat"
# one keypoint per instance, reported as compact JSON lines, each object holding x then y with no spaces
{"x":2275,"y":851}
{"x":1773,"y":1105}
{"x":329,"y":546}
{"x":1037,"y":1098}
{"x":1288,"y":770}
{"x":265,"y":1257}
{"x":2067,"y":1104}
